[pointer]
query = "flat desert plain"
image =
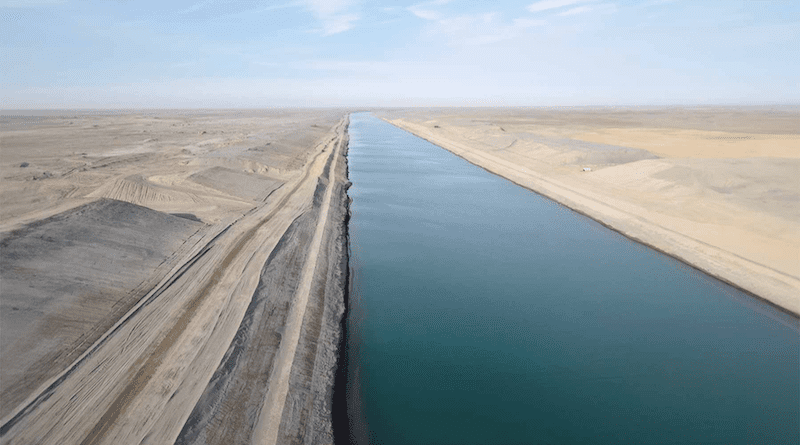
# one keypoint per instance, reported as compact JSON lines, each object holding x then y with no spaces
{"x":718,"y":188}
{"x":171,"y":277}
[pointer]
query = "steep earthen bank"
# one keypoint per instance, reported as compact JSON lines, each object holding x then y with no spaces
{"x":229,"y":408}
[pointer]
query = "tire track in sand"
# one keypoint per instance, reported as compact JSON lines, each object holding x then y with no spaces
{"x":268,"y":425}
{"x":151,"y":362}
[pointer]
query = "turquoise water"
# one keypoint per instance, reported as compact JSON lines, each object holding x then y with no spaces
{"x":483,"y":313}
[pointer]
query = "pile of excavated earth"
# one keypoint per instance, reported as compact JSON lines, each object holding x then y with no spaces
{"x":718,"y":188}
{"x":171,"y":277}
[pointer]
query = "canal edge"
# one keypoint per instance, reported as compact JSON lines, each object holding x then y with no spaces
{"x":795,"y":315}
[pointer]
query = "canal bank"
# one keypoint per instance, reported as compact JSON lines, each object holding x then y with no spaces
{"x":712,"y":236}
{"x":482,"y":312}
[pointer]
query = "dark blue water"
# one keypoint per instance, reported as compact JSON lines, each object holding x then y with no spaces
{"x":484,"y":313}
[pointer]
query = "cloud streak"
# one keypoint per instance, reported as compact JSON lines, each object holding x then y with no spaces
{"x":334,"y":15}
{"x":224,"y":8}
{"x":546,"y":5}
{"x":29,"y":3}
{"x":480,"y":29}
{"x":198,"y":6}
{"x":576,"y":10}
{"x":424,"y":11}
{"x":471,"y":29}
{"x":425,"y":14}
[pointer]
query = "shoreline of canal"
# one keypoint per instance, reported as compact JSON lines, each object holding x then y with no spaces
{"x":697,"y":255}
{"x":468,"y":292}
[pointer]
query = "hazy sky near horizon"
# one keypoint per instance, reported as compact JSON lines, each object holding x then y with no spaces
{"x":227,"y":53}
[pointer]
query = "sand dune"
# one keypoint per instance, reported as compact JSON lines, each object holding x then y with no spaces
{"x":137,"y":190}
{"x":717,"y":188}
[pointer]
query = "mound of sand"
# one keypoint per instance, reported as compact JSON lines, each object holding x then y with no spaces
{"x":137,"y":190}
{"x":241,"y":184}
{"x":68,"y":278}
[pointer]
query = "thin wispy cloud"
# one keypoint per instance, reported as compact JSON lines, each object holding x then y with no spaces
{"x":427,"y":10}
{"x":546,"y":5}
{"x":425,"y":14}
{"x":29,"y":3}
{"x":335,"y":16}
{"x":656,"y":3}
{"x":577,"y":10}
{"x":353,"y":67}
{"x":470,"y":29}
{"x":74,"y":53}
{"x":199,"y":5}
{"x":481,"y":29}
{"x":229,"y":8}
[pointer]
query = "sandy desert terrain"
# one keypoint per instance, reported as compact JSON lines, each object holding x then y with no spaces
{"x":171,"y":277}
{"x":718,"y":188}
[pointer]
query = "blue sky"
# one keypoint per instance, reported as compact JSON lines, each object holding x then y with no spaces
{"x":227,"y":53}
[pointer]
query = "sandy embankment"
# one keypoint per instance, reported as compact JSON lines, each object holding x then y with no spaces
{"x":717,"y":188}
{"x":132,"y":325}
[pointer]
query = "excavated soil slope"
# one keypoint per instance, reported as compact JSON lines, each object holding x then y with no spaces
{"x":67,"y":279}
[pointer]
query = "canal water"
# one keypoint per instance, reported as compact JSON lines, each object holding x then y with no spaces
{"x":483,"y":313}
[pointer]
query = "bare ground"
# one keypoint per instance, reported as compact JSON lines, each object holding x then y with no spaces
{"x":143,"y":249}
